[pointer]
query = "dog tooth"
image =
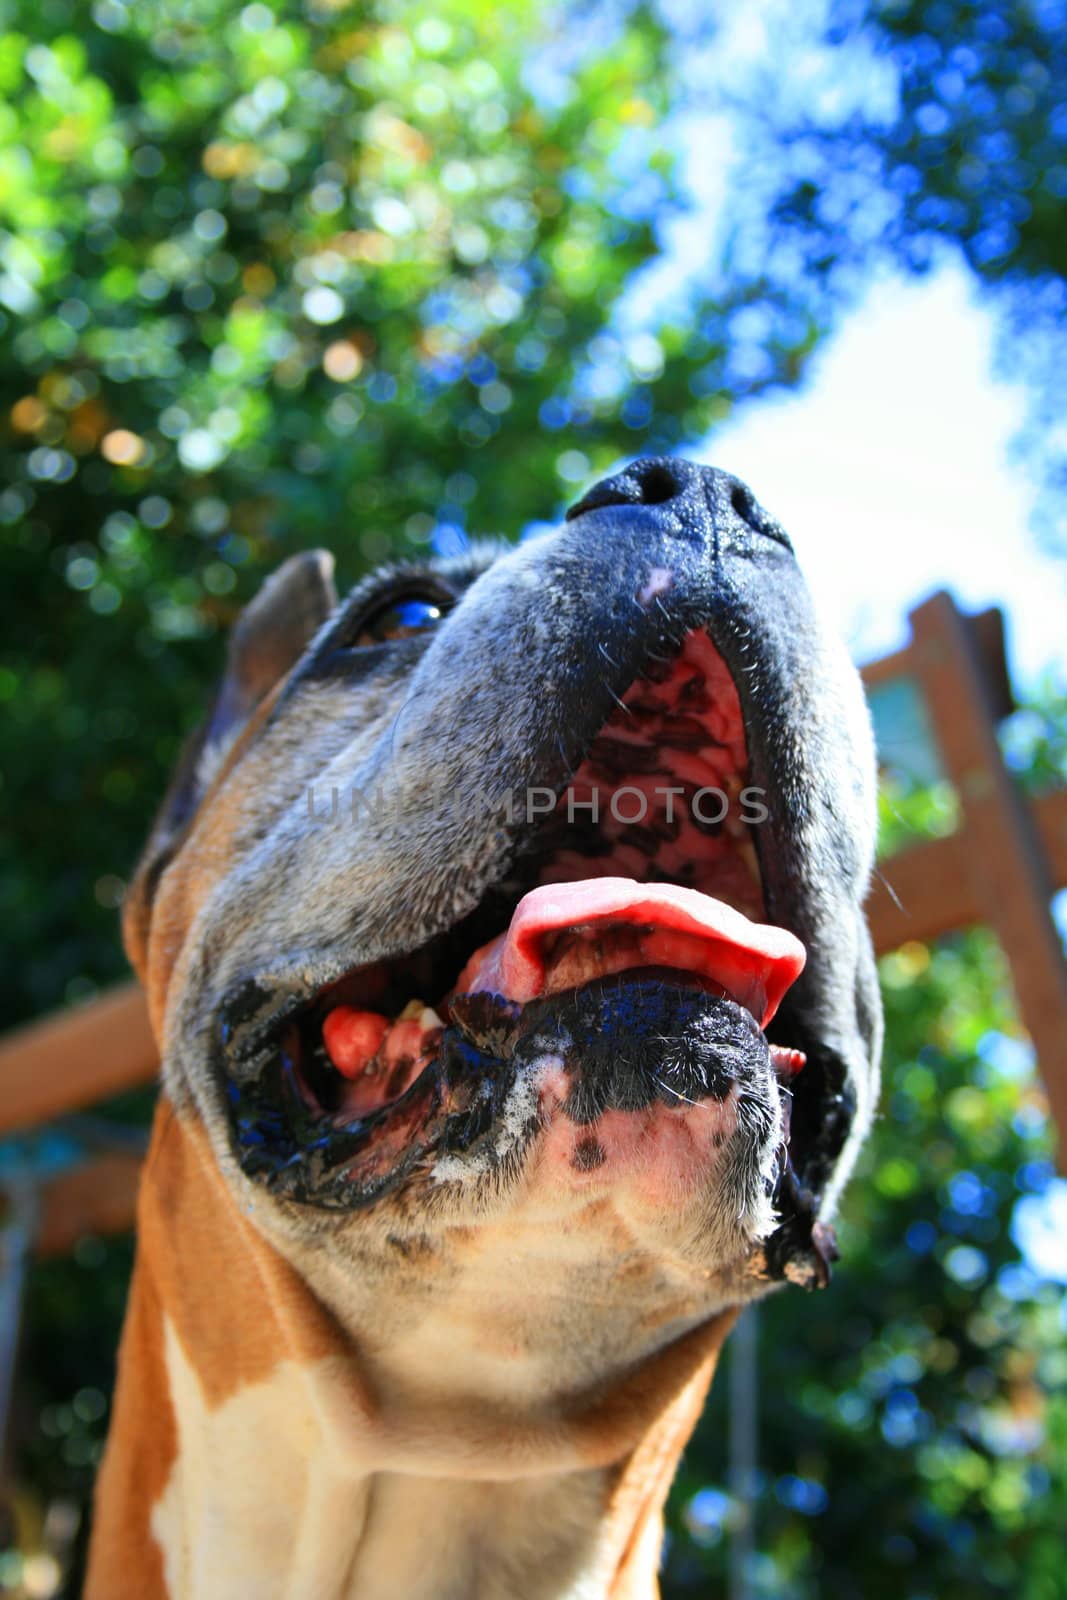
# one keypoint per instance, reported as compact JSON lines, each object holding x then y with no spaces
{"x":786,"y":1062}
{"x":746,"y":851}
{"x":412,"y":1012}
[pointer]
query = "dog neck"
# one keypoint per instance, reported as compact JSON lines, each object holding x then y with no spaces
{"x":253,"y":1449}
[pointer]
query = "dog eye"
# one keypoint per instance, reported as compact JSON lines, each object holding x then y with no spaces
{"x":400,"y":619}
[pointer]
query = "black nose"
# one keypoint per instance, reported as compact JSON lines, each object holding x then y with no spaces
{"x":695,"y":492}
{"x":651,"y":481}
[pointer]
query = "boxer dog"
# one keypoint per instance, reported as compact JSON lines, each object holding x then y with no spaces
{"x":503,"y":935}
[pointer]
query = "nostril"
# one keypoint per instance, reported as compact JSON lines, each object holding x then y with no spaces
{"x":650,"y":482}
{"x":659,"y":483}
{"x":694,"y":493}
{"x":744,"y":504}
{"x":747,"y":507}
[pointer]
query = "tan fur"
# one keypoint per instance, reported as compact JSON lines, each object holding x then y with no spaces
{"x":635,"y":1515}
{"x":139,"y":1459}
{"x":276,"y":1425}
{"x":154,"y":926}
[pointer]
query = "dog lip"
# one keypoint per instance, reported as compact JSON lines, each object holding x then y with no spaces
{"x":621,"y":1043}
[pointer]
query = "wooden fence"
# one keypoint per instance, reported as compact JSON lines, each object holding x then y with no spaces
{"x":1000,"y":867}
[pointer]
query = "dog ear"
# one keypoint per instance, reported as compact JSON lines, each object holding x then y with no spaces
{"x":267,"y":641}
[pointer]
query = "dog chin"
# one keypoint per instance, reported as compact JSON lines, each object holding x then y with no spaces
{"x":698,"y":1174}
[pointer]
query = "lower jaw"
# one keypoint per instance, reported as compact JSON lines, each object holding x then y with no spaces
{"x":619,"y":1077}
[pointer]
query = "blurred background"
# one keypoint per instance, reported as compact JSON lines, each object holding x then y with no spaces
{"x":387,"y":275}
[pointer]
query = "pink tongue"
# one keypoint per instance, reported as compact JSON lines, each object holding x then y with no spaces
{"x":620,"y":924}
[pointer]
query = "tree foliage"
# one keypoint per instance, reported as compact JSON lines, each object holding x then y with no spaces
{"x":278,"y":276}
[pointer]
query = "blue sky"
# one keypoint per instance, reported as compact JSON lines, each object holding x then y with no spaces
{"x":893,"y":470}
{"x":895,"y":467}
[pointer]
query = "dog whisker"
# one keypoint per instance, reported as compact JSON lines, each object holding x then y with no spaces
{"x":699,"y":1105}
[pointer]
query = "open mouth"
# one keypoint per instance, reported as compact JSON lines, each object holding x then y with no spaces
{"x":627,"y":947}
{"x":563,"y":938}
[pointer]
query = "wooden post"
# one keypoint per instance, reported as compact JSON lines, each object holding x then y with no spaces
{"x":76,"y":1057}
{"x":1001,"y":853}
{"x":928,"y":889}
